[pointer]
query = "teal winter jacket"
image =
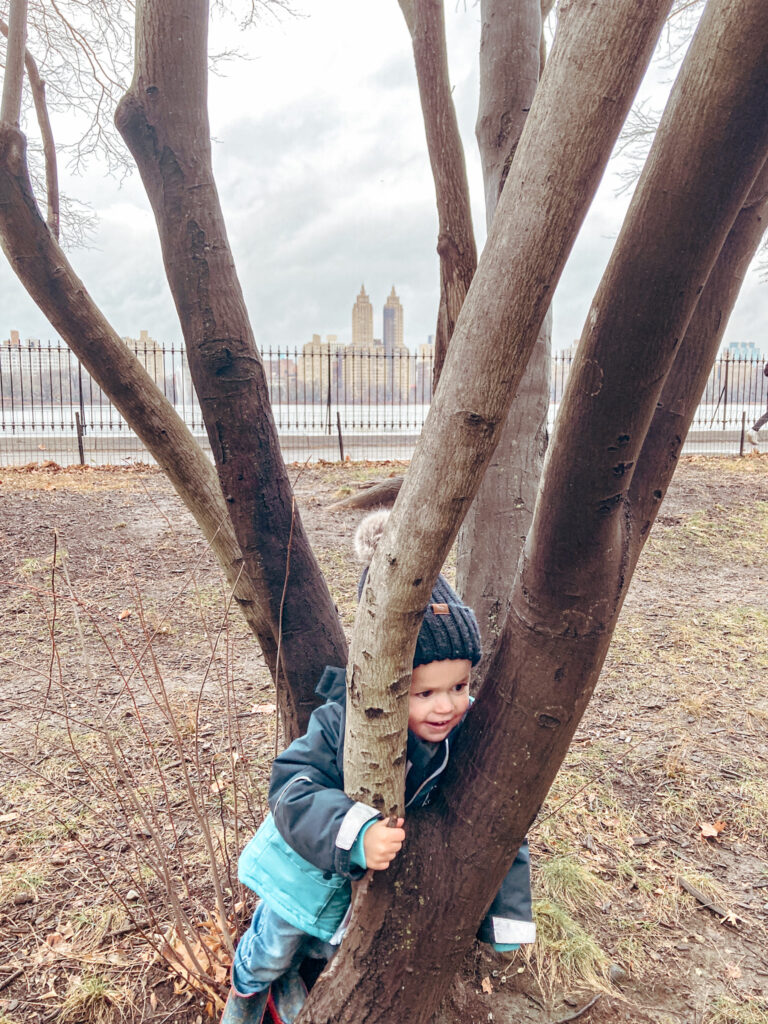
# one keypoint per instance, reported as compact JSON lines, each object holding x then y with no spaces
{"x":301,"y":860}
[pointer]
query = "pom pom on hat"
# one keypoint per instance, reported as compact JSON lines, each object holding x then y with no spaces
{"x":449,"y":627}
{"x":368,"y":534}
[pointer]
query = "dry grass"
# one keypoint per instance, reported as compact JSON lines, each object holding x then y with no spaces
{"x":727,"y":1010}
{"x":675,"y":737}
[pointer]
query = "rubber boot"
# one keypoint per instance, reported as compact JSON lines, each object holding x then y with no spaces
{"x":245,"y":1009}
{"x":287,"y":996}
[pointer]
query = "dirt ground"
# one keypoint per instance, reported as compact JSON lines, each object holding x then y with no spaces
{"x":137,"y":725}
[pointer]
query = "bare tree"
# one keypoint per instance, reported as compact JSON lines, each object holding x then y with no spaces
{"x":492,"y":534}
{"x":591,"y":519}
{"x":296,"y":649}
{"x":164,"y":119}
{"x":607,"y":469}
{"x":455,"y":239}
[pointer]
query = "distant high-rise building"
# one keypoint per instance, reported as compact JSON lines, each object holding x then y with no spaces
{"x":318,"y":365}
{"x":744,"y":350}
{"x":362,"y":320}
{"x":151,"y":356}
{"x":393,"y":323}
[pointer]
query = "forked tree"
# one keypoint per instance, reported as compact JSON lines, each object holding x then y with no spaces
{"x":646,"y":349}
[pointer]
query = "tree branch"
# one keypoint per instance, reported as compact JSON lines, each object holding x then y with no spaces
{"x":690,"y":371}
{"x":495,"y":333}
{"x":13,"y":82}
{"x":494,"y":529}
{"x":164,"y":121}
{"x":456,"y":240}
{"x":37,"y":88}
{"x":46,"y":273}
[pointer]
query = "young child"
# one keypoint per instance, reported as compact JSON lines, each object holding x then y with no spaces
{"x":316,"y":839}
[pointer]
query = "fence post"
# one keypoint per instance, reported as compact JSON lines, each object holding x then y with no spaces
{"x":743,"y":430}
{"x":341,"y":439}
{"x":328,"y":399}
{"x":725,"y":389}
{"x":80,"y":392}
{"x":79,"y":428}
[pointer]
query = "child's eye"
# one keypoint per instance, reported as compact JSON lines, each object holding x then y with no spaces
{"x":460,"y":686}
{"x":424,"y":693}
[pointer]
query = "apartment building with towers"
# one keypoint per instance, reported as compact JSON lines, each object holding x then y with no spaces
{"x":376,"y":370}
{"x":369,"y":370}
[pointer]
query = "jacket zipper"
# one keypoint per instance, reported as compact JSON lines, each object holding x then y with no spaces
{"x":433,"y":775}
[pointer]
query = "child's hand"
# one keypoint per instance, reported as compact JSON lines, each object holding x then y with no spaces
{"x":381,"y":844}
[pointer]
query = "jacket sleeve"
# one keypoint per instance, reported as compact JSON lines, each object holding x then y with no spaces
{"x":306,"y":796}
{"x":509,"y":920}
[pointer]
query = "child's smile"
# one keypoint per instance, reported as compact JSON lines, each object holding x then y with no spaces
{"x":439,"y":698}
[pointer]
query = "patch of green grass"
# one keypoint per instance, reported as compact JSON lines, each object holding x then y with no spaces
{"x":568,"y":882}
{"x":90,"y":998}
{"x":33,"y":567}
{"x":564,"y":956}
{"x":22,"y":881}
{"x":727,"y":1010}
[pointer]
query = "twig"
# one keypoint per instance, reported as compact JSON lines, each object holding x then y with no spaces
{"x":282,"y":605}
{"x":126,"y":929}
{"x":697,"y":894}
{"x":578,"y":1013}
{"x":11,"y":978}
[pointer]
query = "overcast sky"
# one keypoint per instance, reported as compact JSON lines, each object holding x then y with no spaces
{"x":323,"y":174}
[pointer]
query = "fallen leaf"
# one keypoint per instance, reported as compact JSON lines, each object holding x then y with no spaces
{"x":711,"y":831}
{"x":54,"y":939}
{"x":487,"y":986}
{"x":732,"y":971}
{"x":153,"y":1001}
{"x":124,"y":614}
{"x":6,"y":818}
{"x":263,"y":709}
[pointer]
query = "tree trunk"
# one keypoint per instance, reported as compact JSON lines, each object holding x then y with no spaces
{"x":537,"y":219}
{"x":588,"y":529}
{"x":493,"y":532}
{"x":13,"y":80}
{"x":690,"y":371}
{"x":163,"y":119}
{"x":45,"y":272}
{"x":456,"y":240}
{"x":409,"y":932}
{"x":37,"y":88}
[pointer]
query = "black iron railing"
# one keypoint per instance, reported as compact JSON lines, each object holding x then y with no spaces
{"x":326,"y":398}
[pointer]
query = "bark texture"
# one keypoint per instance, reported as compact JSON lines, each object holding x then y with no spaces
{"x":690,"y":371}
{"x":163,"y":119}
{"x":583,"y":542}
{"x":45,"y":272}
{"x":13,"y":80}
{"x":456,"y":240}
{"x":587,"y":531}
{"x":538,"y":217}
{"x":492,"y":535}
{"x":37,"y":88}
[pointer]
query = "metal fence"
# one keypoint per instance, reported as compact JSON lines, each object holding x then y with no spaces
{"x":328,"y":402}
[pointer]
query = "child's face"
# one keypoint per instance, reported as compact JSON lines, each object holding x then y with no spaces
{"x":439,"y":697}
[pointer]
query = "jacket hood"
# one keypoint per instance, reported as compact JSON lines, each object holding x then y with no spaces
{"x":333,"y":684}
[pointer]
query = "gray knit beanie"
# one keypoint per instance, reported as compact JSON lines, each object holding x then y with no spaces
{"x":449,"y":628}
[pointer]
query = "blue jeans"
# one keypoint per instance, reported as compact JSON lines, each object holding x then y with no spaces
{"x":269,"y":948}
